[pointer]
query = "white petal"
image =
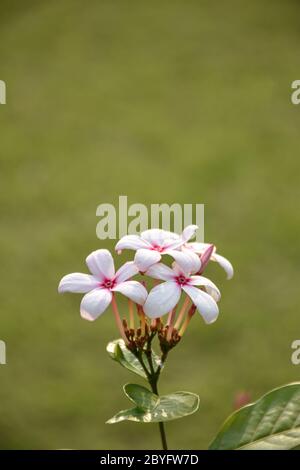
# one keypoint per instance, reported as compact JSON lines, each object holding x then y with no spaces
{"x":131,"y":242}
{"x":162,"y":299}
{"x":126,"y":271}
{"x":188,"y":261}
{"x":210,"y":287}
{"x":133,"y":290}
{"x":101,"y":264}
{"x":172,"y":245}
{"x":95,"y":303}
{"x":172,"y":241}
{"x":226,"y":265}
{"x":205,"y":304}
{"x":146,"y":258}
{"x":196,"y":247}
{"x":161,"y":271}
{"x":189,"y":232}
{"x":155,"y":236}
{"x":78,"y":283}
{"x":178,"y":271}
{"x":171,"y":235}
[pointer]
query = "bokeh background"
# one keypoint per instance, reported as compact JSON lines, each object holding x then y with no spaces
{"x":167,"y":101}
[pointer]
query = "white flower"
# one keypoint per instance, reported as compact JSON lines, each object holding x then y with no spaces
{"x":100,"y":285}
{"x":165,"y":296}
{"x":200,"y":248}
{"x":153,"y":243}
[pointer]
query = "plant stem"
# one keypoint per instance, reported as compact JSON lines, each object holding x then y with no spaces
{"x":160,"y":424}
{"x":163,"y":436}
{"x":139,"y":356}
{"x":153,"y":377}
{"x":153,"y":383}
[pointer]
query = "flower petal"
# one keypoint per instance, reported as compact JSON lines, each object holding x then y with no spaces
{"x":205,"y":304}
{"x":188,"y":261}
{"x":95,"y":303}
{"x":178,"y":271}
{"x":224,"y":263}
{"x":101,"y":264}
{"x":155,"y":236}
{"x":133,"y":290}
{"x":210,"y":287}
{"x":172,"y":241}
{"x":131,"y":242}
{"x":146,"y":258}
{"x":126,"y":271}
{"x":196,"y":247}
{"x":77,"y":283}
{"x":189,"y":232}
{"x":172,"y":245}
{"x":162,"y":299}
{"x":171,"y":235}
{"x":161,"y":271}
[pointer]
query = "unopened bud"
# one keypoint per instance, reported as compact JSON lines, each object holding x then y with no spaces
{"x":205,"y":257}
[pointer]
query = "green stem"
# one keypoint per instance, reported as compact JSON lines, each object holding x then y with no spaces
{"x":153,"y":377}
{"x":153,"y":380}
{"x":149,"y":357}
{"x":139,"y":356}
{"x":162,"y":361}
{"x":160,"y":424}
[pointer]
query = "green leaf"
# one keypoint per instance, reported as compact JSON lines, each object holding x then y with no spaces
{"x":141,"y":396}
{"x":271,"y":423}
{"x":153,"y":409}
{"x":132,"y":414}
{"x":119,"y":353}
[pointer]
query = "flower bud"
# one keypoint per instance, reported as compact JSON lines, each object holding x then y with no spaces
{"x":205,"y":257}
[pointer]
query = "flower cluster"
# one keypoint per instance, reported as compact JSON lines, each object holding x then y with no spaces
{"x":189,"y":260}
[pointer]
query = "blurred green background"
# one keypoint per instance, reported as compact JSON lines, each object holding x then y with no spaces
{"x":168,"y":101}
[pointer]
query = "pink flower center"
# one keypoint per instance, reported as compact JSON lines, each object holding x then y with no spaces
{"x":182,"y":280}
{"x":108,"y":283}
{"x":157,"y":248}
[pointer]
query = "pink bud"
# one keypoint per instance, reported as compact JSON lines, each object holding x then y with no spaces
{"x":205,"y":257}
